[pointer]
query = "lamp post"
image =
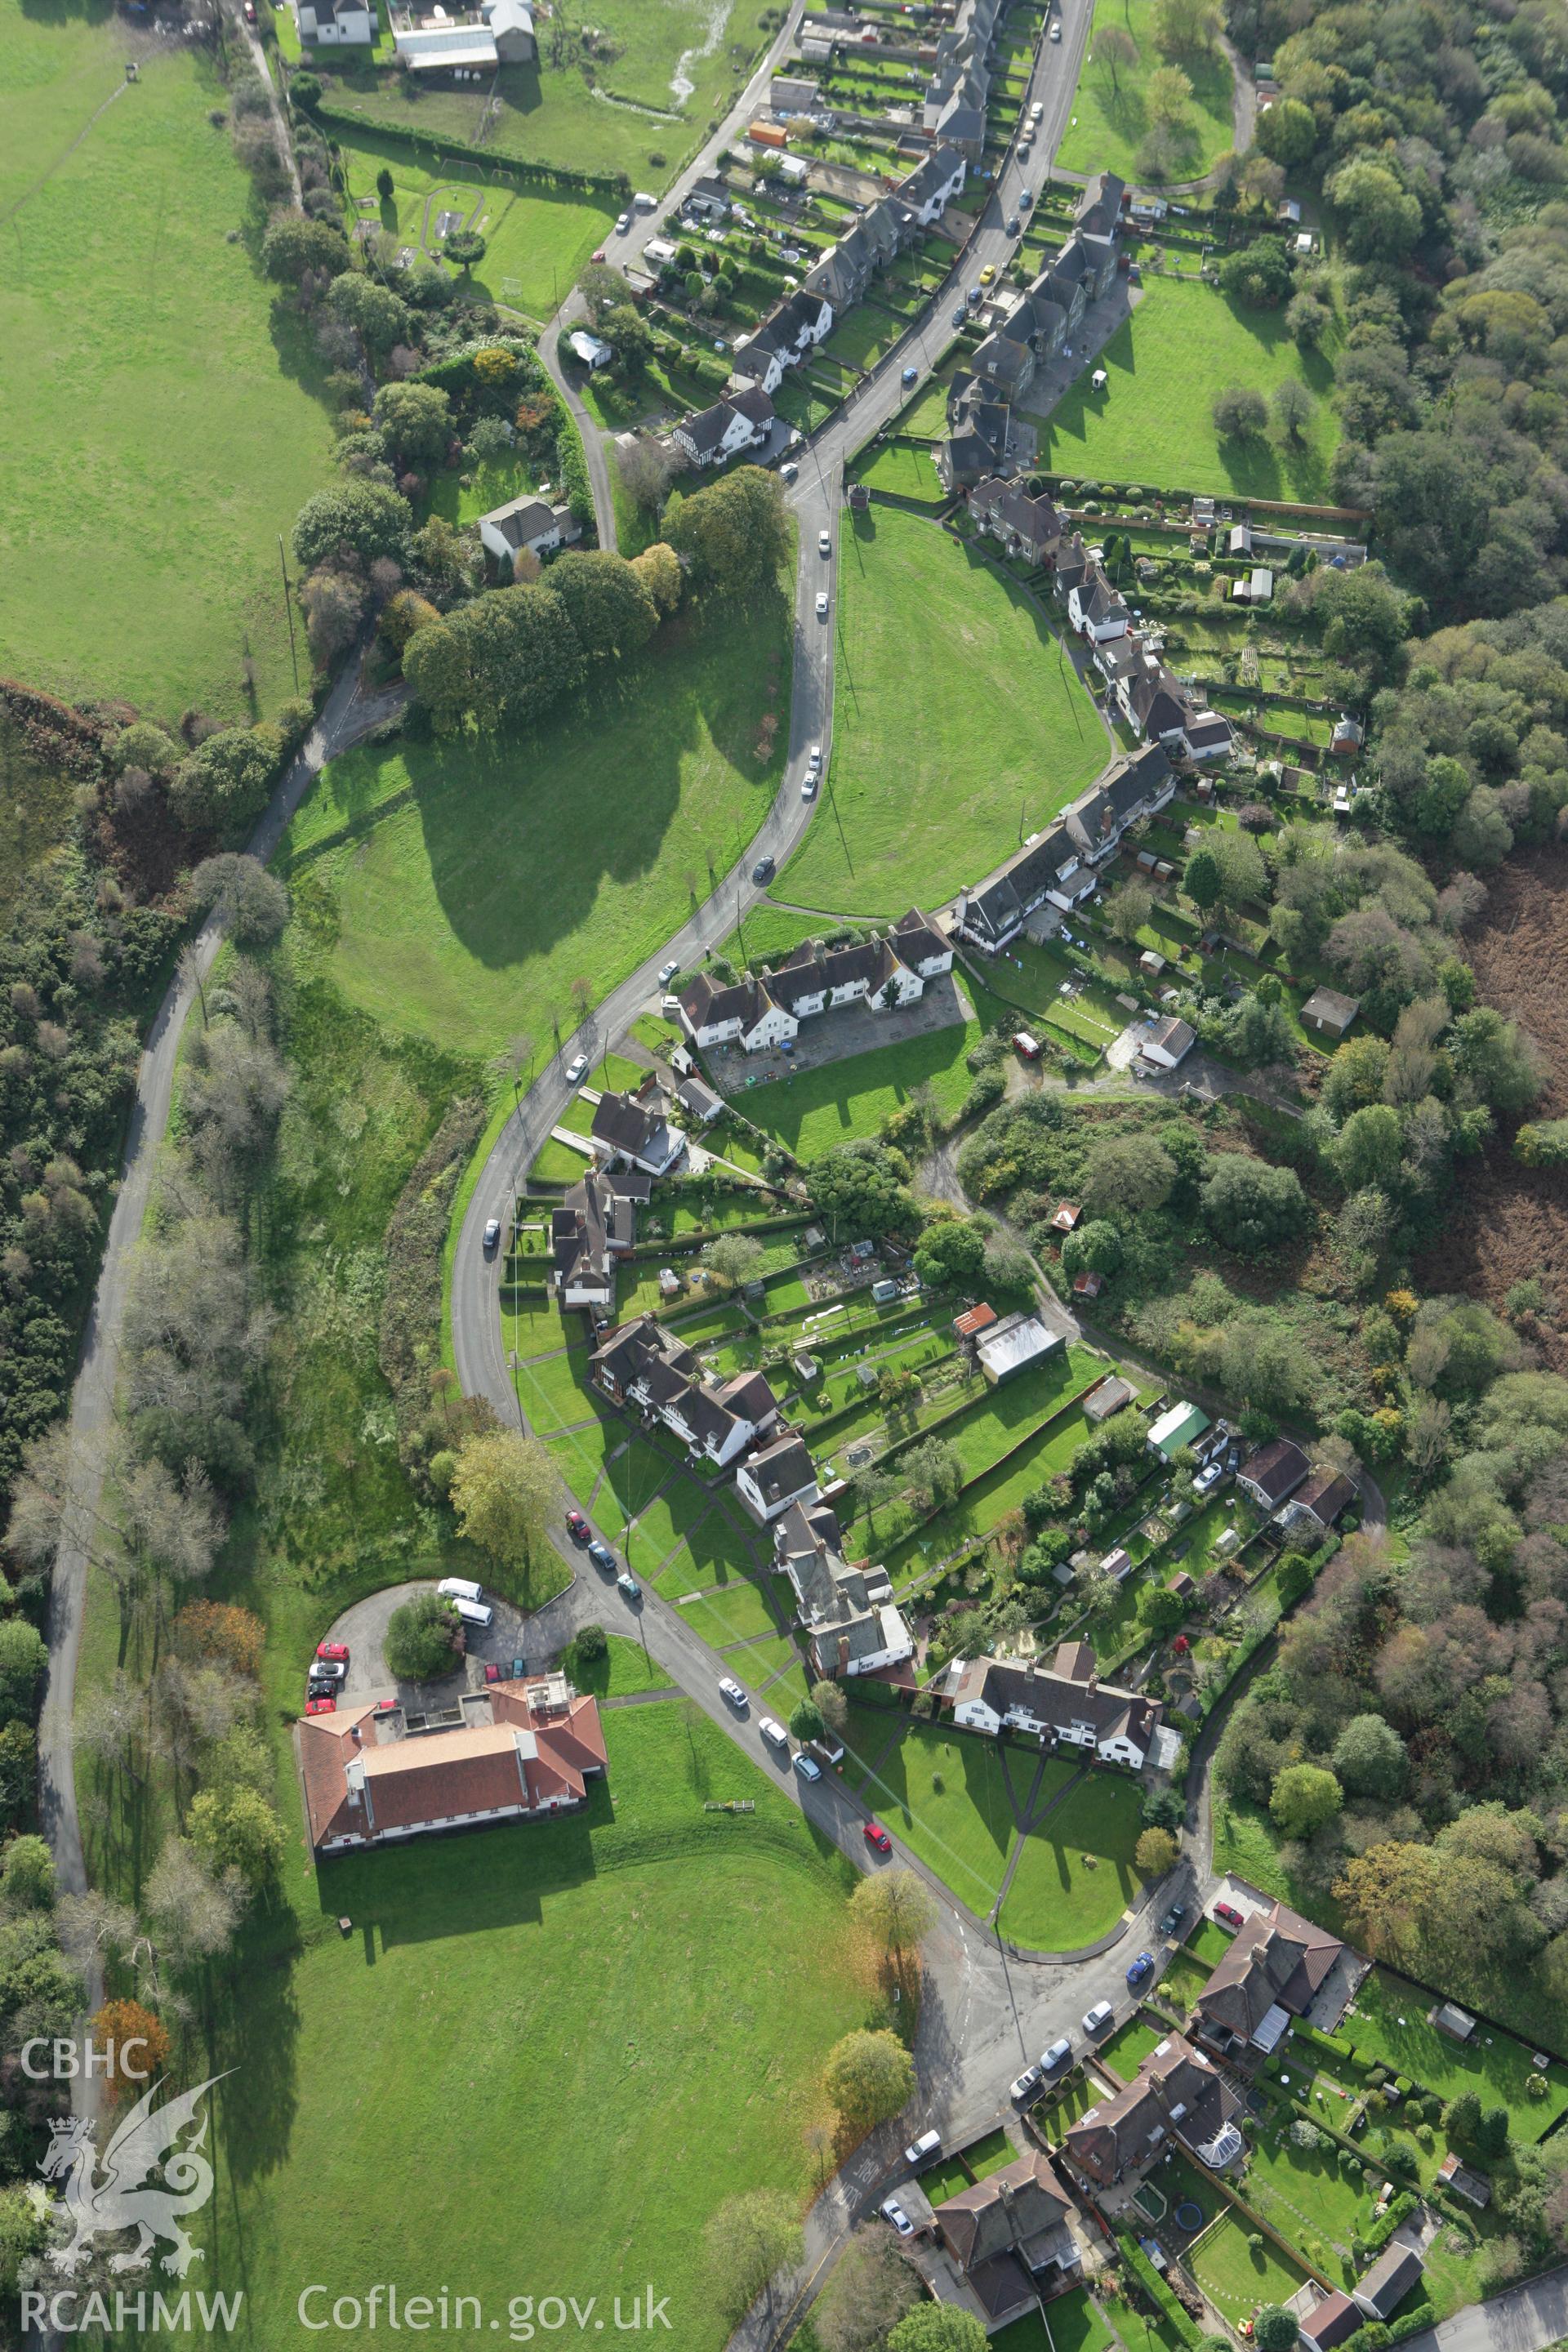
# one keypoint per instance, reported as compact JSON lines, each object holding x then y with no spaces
{"x":1007,"y":1979}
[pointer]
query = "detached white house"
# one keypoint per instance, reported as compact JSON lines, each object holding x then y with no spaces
{"x":1066,"y":1704}
{"x":527,"y":522}
{"x":742,"y":421}
{"x":345,"y":22}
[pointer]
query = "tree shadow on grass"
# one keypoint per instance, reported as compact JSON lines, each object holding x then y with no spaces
{"x":523,"y":832}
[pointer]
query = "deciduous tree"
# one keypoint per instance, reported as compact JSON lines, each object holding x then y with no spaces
{"x":868,"y":2076}
{"x":504,"y":1491}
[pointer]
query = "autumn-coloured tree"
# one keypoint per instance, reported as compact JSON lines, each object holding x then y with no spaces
{"x":217,"y":1629}
{"x":120,"y":2027}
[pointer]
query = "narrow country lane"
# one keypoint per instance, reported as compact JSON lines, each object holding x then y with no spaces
{"x":347,"y":715}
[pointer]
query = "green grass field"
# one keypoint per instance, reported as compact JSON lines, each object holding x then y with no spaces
{"x":943,"y":1793}
{"x":538,"y":240}
{"x":811,"y":1110}
{"x":955,"y":715}
{"x":1235,"y":2278}
{"x":1152,"y":423}
{"x":1074,"y":1875}
{"x":157,"y":429}
{"x":1075,"y":2323}
{"x":467,"y":913}
{"x":1110,"y":119}
{"x":1388,"y":2027}
{"x":1129,"y":2045}
{"x":553,"y":1969}
{"x":551,"y":114}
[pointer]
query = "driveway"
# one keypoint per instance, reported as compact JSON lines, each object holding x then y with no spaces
{"x":363,"y":1628}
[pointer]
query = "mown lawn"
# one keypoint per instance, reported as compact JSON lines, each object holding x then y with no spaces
{"x":550,"y":113}
{"x":1308,"y":2195}
{"x":908,"y":471}
{"x":536,"y":240}
{"x":1074,"y":1877}
{"x":1388,"y":2027}
{"x":157,"y":424}
{"x":467,"y":912}
{"x":1153,"y":424}
{"x":1235,"y":2278}
{"x":1075,"y":2323}
{"x":944,"y":1794}
{"x":670,"y":1978}
{"x":957,"y":720}
{"x":1111,"y":118}
{"x":811,"y":1110}
{"x":1129,"y":2045}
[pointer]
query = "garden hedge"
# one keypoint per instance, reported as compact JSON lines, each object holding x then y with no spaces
{"x":1153,"y":2285}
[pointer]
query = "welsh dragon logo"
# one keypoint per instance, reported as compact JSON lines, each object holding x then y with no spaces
{"x":118,"y":2194}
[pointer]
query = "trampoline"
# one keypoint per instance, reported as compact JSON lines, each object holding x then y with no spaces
{"x":1189,"y":2215}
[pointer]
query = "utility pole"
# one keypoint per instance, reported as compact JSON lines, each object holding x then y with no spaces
{"x":289,"y":610}
{"x":1007,"y":1979}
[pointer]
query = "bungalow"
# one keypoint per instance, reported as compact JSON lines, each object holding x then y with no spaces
{"x":848,"y":1614}
{"x":645,"y":1366}
{"x":741,"y":1013}
{"x":699,"y":1101}
{"x":1066,"y":1704}
{"x":1271,"y":1473}
{"x":1329,"y":1012}
{"x":592,"y":349}
{"x":636,"y":1128}
{"x":742,"y":420}
{"x":1167,"y":1044}
{"x":591,"y":1232}
{"x":1176,"y":2096}
{"x":527,"y":522}
{"x":1379,"y":2292}
{"x":340,"y":21}
{"x":783,"y":1473}
{"x":1314,"y":1508}
{"x":708,"y":197}
{"x":516,"y":1751}
{"x":1276,"y":1965}
{"x":1010,"y":2239}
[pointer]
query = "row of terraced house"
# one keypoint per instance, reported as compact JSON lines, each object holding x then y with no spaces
{"x":1043,"y":324}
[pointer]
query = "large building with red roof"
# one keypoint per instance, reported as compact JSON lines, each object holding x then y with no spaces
{"x":376,"y":1774}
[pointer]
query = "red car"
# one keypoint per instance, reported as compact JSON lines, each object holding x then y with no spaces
{"x":598,"y":254}
{"x":338,"y":1650}
{"x":321,"y":1706}
{"x":1229,"y":1915}
{"x":577,"y":1527}
{"x":875,"y":1834}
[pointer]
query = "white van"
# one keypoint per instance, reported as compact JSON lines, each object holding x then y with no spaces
{"x":776,"y":1735}
{"x":460,"y":1588}
{"x":474,"y":1612}
{"x":646,"y":203}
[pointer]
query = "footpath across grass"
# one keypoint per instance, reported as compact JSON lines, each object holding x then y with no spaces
{"x":1153,"y":424}
{"x":157,"y":427}
{"x":1111,"y":113}
{"x":510,"y":868}
{"x":1074,"y":1875}
{"x":958,"y":723}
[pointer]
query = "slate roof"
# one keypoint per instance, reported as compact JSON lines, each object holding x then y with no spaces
{"x":1277,"y":1959}
{"x":707,"y":1004}
{"x":1059,"y":1699}
{"x":1021,"y":2202}
{"x":784,"y":1467}
{"x":1276,"y":1470}
{"x":1177,"y":2094}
